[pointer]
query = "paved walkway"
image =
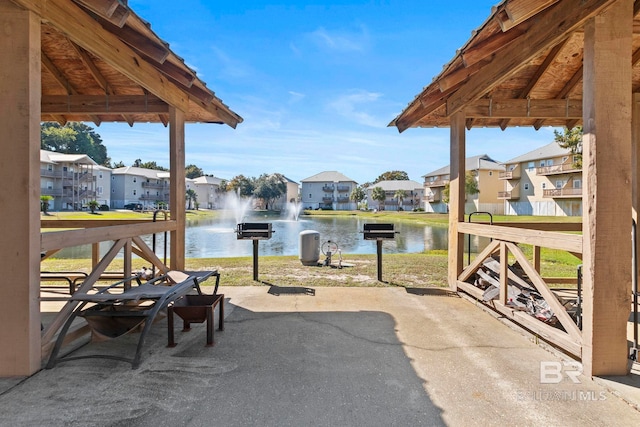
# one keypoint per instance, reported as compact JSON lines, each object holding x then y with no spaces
{"x":324,"y":357}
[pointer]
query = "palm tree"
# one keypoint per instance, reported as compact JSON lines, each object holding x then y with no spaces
{"x":44,"y":203}
{"x":379,"y":195}
{"x":191,"y":197}
{"x":400,"y":195}
{"x":93,"y":205}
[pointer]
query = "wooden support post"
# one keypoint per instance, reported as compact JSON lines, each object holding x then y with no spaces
{"x":95,"y":254}
{"x":127,"y":262}
{"x":536,"y":258}
{"x":456,"y":198}
{"x":635,"y":165}
{"x":607,"y":200}
{"x":504,"y":273}
{"x":20,"y":95}
{"x":177,"y":187}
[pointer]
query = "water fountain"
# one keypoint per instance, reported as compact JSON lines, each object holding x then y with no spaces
{"x":293,"y":210}
{"x":236,"y":207}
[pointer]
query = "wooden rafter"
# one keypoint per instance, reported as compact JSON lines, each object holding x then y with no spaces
{"x":525,"y":108}
{"x":568,"y":87}
{"x":103,"y":104}
{"x":517,"y":11}
{"x":63,"y":82}
{"x":559,"y":21}
{"x":551,"y":56}
{"x":112,"y":10}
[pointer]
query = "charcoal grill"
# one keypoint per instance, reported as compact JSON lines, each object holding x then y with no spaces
{"x":379,"y":233}
{"x":254,"y":231}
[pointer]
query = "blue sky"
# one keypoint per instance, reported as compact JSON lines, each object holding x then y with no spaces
{"x":316,"y":82}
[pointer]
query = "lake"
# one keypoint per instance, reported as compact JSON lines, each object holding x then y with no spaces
{"x":216,"y":238}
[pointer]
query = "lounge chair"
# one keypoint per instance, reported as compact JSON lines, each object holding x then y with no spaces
{"x":116,"y":311}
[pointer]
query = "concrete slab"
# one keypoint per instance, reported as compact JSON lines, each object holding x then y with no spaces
{"x":325,"y":356}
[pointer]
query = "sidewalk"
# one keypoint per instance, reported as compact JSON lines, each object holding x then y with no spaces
{"x":329,"y":356}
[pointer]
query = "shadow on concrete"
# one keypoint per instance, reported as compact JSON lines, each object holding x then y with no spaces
{"x":443,"y":292}
{"x":267,"y":368}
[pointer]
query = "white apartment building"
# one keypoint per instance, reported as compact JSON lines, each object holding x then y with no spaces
{"x":545,"y":181}
{"x":328,"y":190}
{"x":414,"y":193}
{"x":291,"y":196}
{"x":68,"y":178}
{"x":485,"y":170}
{"x":207,"y":190}
{"x":102,"y":176}
{"x":147,"y":187}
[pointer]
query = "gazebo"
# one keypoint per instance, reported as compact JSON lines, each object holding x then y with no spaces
{"x":541,"y":63}
{"x":92,"y":61}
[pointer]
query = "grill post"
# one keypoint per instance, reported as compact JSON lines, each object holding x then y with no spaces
{"x":254,"y":231}
{"x":379,"y":232}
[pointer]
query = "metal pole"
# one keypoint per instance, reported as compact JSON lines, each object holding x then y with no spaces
{"x":379,"y":247}
{"x":255,"y":260}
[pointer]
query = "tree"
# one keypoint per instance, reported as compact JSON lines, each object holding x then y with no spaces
{"x":379,"y":196}
{"x":191,"y":196}
{"x":223,"y":187}
{"x":192,"y":171}
{"x":270,"y":187}
{"x":572,"y":140}
{"x":392,"y":176}
{"x":120,"y":164}
{"x":93,"y":205}
{"x":241,"y":185}
{"x":44,"y":203}
{"x":149,"y":165}
{"x":400,"y":195}
{"x":358,"y":195}
{"x":470,"y":187}
{"x":73,"y":138}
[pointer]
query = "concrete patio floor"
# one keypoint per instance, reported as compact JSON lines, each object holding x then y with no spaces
{"x":325,"y":356}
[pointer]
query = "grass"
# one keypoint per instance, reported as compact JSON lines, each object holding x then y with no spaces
{"x":419,"y":270}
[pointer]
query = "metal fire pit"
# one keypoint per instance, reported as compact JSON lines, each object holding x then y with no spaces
{"x":255,"y":231}
{"x":379,"y":233}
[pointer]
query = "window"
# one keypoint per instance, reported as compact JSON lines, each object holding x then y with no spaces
{"x":113,"y":191}
{"x":577,"y":183}
{"x":309,"y":195}
{"x":559,"y":184}
{"x":549,"y":162}
{"x":544,"y":185}
{"x":531,"y":166}
{"x":526,"y":185}
{"x":542,"y":163}
{"x":113,"y":178}
{"x":49,"y":167}
{"x":99,"y":190}
{"x":135,"y":179}
{"x":100,"y":175}
{"x":134,"y":192}
{"x":565,"y":158}
{"x":490,"y":173}
{"x":49,"y":185}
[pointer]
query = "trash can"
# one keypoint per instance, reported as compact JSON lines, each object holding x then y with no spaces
{"x":309,"y":247}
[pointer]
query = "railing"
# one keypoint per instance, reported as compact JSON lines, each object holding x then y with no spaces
{"x":509,"y":195}
{"x":557,"y":169}
{"x":563,"y":192}
{"x":328,"y":188}
{"x":51,"y":192}
{"x":432,"y":198}
{"x":512,"y":174}
{"x":327,"y":199}
{"x":154,"y":185}
{"x":343,"y":199}
{"x":343,"y":188}
{"x":162,"y":198}
{"x":436,"y":183}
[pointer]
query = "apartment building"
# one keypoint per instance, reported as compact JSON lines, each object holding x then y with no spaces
{"x":102,"y":175}
{"x":413,"y":195}
{"x":545,"y":181}
{"x":207,"y":190}
{"x":147,"y":187}
{"x":327,"y":190}
{"x":485,"y":170}
{"x":292,"y":195}
{"x":68,"y":178}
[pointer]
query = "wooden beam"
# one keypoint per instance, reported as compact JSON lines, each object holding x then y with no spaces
{"x":554,"y":24}
{"x":90,"y":35}
{"x":20,"y":87}
{"x":456,"y":197}
{"x":517,"y":11}
{"x":546,"y":239}
{"x":525,"y":108}
{"x":492,"y":247}
{"x":103,"y":104}
{"x":488,"y":47}
{"x":113,"y":11}
{"x":70,"y":238}
{"x":177,"y":188}
{"x":607,"y":197}
{"x":568,"y":87}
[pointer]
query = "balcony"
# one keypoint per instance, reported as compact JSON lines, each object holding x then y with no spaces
{"x":153,"y":197}
{"x":343,"y":188}
{"x":327,"y":199}
{"x":557,"y":169}
{"x":51,"y":192}
{"x":436,"y":183}
{"x":433,"y":198}
{"x":512,"y":174}
{"x":154,"y":185}
{"x":559,"y":193}
{"x":328,"y":188}
{"x":343,"y":199}
{"x":509,"y":195}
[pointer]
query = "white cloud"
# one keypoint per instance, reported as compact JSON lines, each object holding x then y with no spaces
{"x":350,"y":107}
{"x":341,"y":41}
